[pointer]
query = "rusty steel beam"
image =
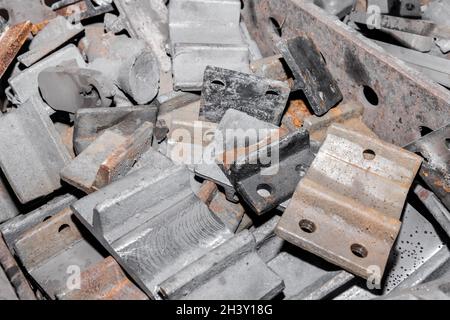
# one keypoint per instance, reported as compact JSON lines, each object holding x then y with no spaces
{"x":11,"y":41}
{"x":348,"y":206}
{"x":398,"y":100}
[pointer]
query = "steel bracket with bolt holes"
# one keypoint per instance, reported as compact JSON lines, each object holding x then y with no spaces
{"x":355,"y":191}
{"x":261,"y":98}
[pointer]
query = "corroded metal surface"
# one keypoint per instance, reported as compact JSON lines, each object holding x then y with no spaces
{"x":402,"y":99}
{"x":224,"y":89}
{"x":355,"y":192}
{"x":311,"y":74}
{"x":104,"y":281}
{"x":11,"y":40}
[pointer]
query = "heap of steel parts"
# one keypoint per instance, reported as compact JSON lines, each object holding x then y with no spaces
{"x":224,"y":149}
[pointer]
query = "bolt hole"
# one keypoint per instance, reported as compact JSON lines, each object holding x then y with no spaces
{"x":242,"y":4}
{"x":369,"y":154}
{"x":218,"y":83}
{"x":272,"y":93}
{"x":4,"y":14}
{"x":209,"y":136}
{"x":276,"y":26}
{"x":359,"y":250}
{"x":50,"y":3}
{"x":46,"y":218}
{"x":307,"y":226}
{"x":301,"y":170}
{"x":410,"y":6}
{"x":63,"y":228}
{"x":264,"y":190}
{"x":447,"y":143}
{"x":371,"y":96}
{"x":425,"y":131}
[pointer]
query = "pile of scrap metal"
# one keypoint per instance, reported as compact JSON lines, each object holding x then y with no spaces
{"x":224,"y":149}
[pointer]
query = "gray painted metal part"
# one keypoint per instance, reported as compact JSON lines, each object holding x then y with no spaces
{"x":78,"y":88}
{"x":261,"y":98}
{"x":384,"y":6}
{"x":438,"y":11}
{"x":31,"y":152}
{"x":311,"y":74}
{"x":25,"y":84}
{"x":90,"y":123}
{"x":410,"y":8}
{"x":130,"y":224}
{"x":147,"y":20}
{"x":231,"y":271}
{"x":57,"y":32}
{"x":435,"y":207}
{"x":435,"y":290}
{"x":129,"y":63}
{"x":338,"y":8}
{"x":303,"y":278}
{"x":205,"y":33}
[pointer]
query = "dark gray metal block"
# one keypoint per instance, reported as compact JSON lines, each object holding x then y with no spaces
{"x":223,"y":89}
{"x":311,"y":73}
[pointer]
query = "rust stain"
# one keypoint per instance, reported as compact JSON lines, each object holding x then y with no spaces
{"x":207,"y":192}
{"x":11,"y":41}
{"x":296,"y":114}
{"x":106,"y":281}
{"x":37,"y":27}
{"x":442,"y":184}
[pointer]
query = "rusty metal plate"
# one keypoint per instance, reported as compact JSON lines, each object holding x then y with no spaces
{"x":398,"y":100}
{"x":348,"y":206}
{"x":11,"y":41}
